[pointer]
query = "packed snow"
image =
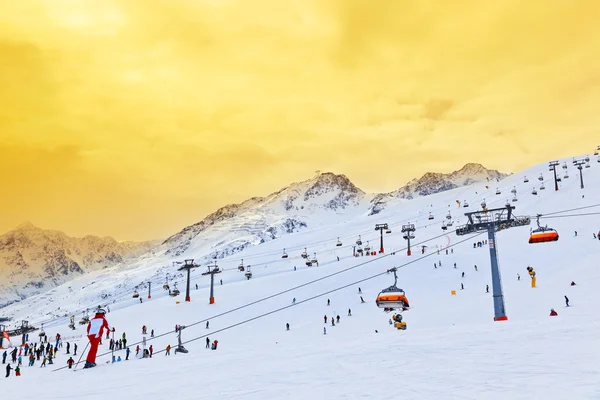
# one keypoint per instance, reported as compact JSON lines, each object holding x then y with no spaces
{"x":452,"y":347}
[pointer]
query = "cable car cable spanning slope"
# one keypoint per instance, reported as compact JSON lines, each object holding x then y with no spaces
{"x":127,"y":295}
{"x":289,"y":305}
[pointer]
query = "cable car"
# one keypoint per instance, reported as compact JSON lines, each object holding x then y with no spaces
{"x":449,"y":216}
{"x":449,"y":223}
{"x":565,"y":165}
{"x":465,"y":204}
{"x":587,"y":165}
{"x":248,"y":273}
{"x":136,"y":294}
{"x":338,"y":244}
{"x":430,"y":216}
{"x":498,"y":191}
{"x":541,"y":177}
{"x":515,"y":199}
{"x":525,"y":180}
{"x":367,"y":247}
{"x":175,"y":291}
{"x":392,"y":297}
{"x":314,"y":260}
{"x":542,"y":187}
{"x":359,"y":250}
{"x":543,"y":234}
{"x":304,"y":254}
{"x":241,"y":266}
{"x":567,"y":174}
{"x":444,"y":227}
{"x":42,"y":333}
{"x":534,"y":192}
{"x":358,"y":241}
{"x":483,"y":205}
{"x":284,"y":255}
{"x":390,"y":231}
{"x":514,"y":190}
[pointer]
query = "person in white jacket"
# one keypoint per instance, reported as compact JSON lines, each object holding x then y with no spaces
{"x":95,"y":330}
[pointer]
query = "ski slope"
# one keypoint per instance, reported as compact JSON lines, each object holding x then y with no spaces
{"x":451,"y":349}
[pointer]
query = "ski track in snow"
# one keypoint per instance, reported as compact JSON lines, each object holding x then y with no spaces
{"x":452,"y":348}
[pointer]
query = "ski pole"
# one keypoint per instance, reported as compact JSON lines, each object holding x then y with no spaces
{"x":81,"y":356}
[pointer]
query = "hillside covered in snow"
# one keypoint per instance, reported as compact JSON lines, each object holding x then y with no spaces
{"x":452,"y":347}
{"x":34,"y":260}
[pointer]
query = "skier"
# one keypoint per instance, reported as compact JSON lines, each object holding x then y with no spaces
{"x":207,"y":342}
{"x":338,"y":259}
{"x":95,"y":330}
{"x":287,"y":326}
{"x":18,"y":371}
{"x":151,"y":351}
{"x":74,"y":349}
{"x":325,"y":318}
{"x":359,"y":291}
{"x":349,"y":312}
{"x":294,"y":267}
{"x":8,"y":368}
{"x":206,"y":324}
{"x":328,"y":302}
{"x":361,"y":299}
{"x":214,"y":345}
{"x":553,"y":313}
{"x":463,"y":274}
{"x":575,"y":233}
{"x":70,"y":362}
{"x":567,"y":301}
{"x":573,"y":283}
{"x":127,"y":352}
{"x":462,"y":286}
{"x":196,"y":286}
{"x":487,"y":288}
{"x":68,"y":347}
{"x":152,"y":333}
{"x":294,"y":300}
{"x":476,"y":268}
{"x":168,"y":350}
{"x":454,"y":265}
{"x":137,"y":350}
{"x":324,"y":331}
{"x":4,"y":357}
{"x":435,"y":265}
{"x":518,"y":277}
{"x":338,"y":319}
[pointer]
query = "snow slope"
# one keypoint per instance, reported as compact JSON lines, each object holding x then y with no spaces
{"x":451,"y":349}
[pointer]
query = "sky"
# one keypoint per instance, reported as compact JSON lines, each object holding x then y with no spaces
{"x":135,"y":118}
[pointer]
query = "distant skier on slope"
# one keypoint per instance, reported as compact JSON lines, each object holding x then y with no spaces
{"x":95,"y":330}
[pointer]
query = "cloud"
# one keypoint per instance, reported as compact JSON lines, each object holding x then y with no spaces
{"x":172,"y":109}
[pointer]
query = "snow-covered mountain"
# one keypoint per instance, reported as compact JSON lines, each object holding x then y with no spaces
{"x":34,"y":260}
{"x":232,"y":228}
{"x":302,"y":205}
{"x":431,"y":183}
{"x":450,"y":321}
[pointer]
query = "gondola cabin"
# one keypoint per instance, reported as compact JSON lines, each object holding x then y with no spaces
{"x":284,"y":255}
{"x":549,"y":235}
{"x":392,"y":300}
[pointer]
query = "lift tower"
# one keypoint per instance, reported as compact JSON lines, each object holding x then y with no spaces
{"x":381,"y":228}
{"x":212,"y":270}
{"x":188,"y":265}
{"x":553,"y":165}
{"x":408,"y":231}
{"x":579,"y":164}
{"x":493,"y":220}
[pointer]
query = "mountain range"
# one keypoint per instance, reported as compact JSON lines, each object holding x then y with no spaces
{"x":33,"y":260}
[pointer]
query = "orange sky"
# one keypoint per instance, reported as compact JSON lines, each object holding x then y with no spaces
{"x":134,"y":118}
